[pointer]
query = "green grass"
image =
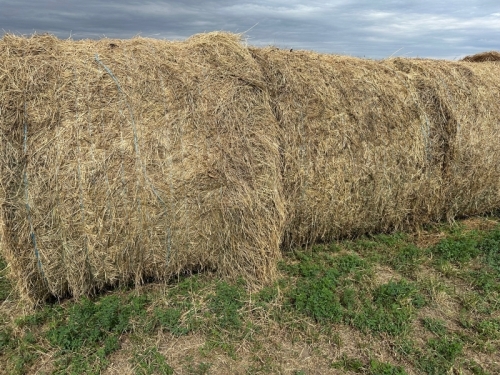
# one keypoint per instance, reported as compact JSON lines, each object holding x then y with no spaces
{"x":5,"y":287}
{"x":391,"y":309}
{"x":322,"y":291}
{"x":225,"y":304}
{"x":149,"y":362}
{"x":96,"y":324}
{"x":440,"y":356}
{"x":349,"y":364}
{"x":458,"y":248}
{"x":381,"y":368}
{"x":436,"y":326}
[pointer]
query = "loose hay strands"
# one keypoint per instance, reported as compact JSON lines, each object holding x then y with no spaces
{"x":462,"y":101}
{"x":151,"y":159}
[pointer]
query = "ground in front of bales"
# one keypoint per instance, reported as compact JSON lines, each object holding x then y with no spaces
{"x":427,"y":303}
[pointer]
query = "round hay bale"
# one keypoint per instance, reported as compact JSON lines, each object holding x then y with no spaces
{"x":376,"y":146}
{"x":462,"y":102}
{"x":135,"y":159}
{"x":490,"y":56}
{"x":354,"y":143}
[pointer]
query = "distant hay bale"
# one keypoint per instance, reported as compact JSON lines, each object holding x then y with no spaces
{"x":483,"y":57}
{"x":128,"y":160}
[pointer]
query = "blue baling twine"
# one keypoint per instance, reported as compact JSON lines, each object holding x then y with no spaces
{"x":28,"y":208}
{"x":136,"y":144}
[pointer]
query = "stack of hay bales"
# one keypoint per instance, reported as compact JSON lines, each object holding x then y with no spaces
{"x":122,"y":161}
{"x":128,"y":160}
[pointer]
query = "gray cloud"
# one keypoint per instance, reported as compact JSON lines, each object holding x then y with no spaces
{"x":370,"y":28}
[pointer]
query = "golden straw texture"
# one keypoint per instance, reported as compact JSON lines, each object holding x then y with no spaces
{"x":461,"y":100}
{"x":374,"y":146}
{"x":354,"y":146}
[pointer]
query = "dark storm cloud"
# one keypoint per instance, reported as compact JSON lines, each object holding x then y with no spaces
{"x":368,"y":28}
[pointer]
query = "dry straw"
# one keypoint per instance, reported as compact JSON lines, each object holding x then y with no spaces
{"x":128,"y":160}
{"x":123,"y":161}
{"x":462,"y":102}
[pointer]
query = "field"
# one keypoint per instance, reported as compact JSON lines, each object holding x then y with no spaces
{"x":422,"y":303}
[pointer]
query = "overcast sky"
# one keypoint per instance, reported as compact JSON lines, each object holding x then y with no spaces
{"x":370,"y":28}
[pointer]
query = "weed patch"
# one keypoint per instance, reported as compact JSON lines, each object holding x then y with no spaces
{"x":487,"y":278}
{"x":317,"y":298}
{"x":314,"y":292}
{"x":475,"y":368}
{"x":441,"y":355}
{"x":186,"y":286}
{"x":459,"y":248}
{"x":39,"y":318}
{"x":349,"y":364}
{"x":90,"y":331}
{"x":381,"y":368}
{"x":90,"y":323}
{"x":398,"y":293}
{"x":435,"y":326}
{"x":489,"y":329}
{"x":349,"y":300}
{"x":266,"y":295}
{"x":379,"y":248}
{"x":170,"y":320}
{"x":407,"y":259}
{"x":23,"y":351}
{"x":392,"y":308}
{"x":484,"y":280}
{"x":149,"y":362}
{"x":225,"y":305}
{"x":5,"y":338}
{"x":317,"y":291}
{"x":349,"y":263}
